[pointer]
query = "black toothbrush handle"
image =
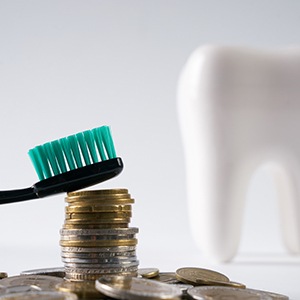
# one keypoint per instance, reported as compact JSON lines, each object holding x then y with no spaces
{"x":17,"y":195}
{"x":66,"y":182}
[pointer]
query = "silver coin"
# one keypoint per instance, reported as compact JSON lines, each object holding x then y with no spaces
{"x":109,"y":231}
{"x":125,"y":287}
{"x":183,"y":287}
{"x":274,"y":296}
{"x":39,"y":295}
{"x":99,"y":249}
{"x":97,"y":237}
{"x":56,"y":272}
{"x":2,"y":289}
{"x":92,"y":277}
{"x":219,"y":293}
{"x":46,"y":283}
{"x":98,"y":255}
{"x":100,"y":271}
{"x":100,"y":260}
{"x":102,"y":266}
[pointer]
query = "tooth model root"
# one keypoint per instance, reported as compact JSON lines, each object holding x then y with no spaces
{"x":239,"y":108}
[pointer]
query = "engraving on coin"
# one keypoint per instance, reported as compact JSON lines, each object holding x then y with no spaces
{"x":125,"y":260}
{"x":98,"y":208}
{"x":122,"y":287}
{"x":87,"y":255}
{"x":191,"y":275}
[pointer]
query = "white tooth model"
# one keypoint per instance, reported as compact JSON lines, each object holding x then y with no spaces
{"x":238,"y":109}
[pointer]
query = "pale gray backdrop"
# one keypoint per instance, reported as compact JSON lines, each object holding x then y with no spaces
{"x":67,"y":66}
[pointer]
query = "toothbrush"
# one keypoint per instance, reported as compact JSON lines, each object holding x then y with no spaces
{"x":70,"y":164}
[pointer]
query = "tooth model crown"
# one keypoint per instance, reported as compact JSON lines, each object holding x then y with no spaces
{"x":238,"y":109}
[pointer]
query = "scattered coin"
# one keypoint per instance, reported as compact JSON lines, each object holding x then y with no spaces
{"x":56,"y":272}
{"x":218,"y":293}
{"x":148,"y":272}
{"x":39,"y":295}
{"x":221,"y":283}
{"x":192,"y":275}
{"x":44,"y":282}
{"x":167,"y":277}
{"x":98,"y":249}
{"x":273,"y":296}
{"x":126,"y":287}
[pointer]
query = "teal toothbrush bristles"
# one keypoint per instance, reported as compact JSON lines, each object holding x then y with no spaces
{"x":73,"y":152}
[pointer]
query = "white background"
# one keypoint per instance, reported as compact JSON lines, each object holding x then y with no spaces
{"x":67,"y":66}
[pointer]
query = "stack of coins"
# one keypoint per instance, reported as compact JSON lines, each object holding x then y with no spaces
{"x":96,"y":238}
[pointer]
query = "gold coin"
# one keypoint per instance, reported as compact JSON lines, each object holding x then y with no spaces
{"x":97,"y":198}
{"x":98,"y":208}
{"x":83,"y":289}
{"x":148,"y":272}
{"x":98,"y":192}
{"x":97,"y":221}
{"x":99,"y":243}
{"x":191,"y":275}
{"x":93,"y":201}
{"x":97,"y":215}
{"x":95,"y":226}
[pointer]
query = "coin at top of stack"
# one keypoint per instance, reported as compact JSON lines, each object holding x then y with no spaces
{"x":96,"y":238}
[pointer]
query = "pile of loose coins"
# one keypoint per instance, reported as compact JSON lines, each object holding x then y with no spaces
{"x":96,"y":238}
{"x":150,"y":284}
{"x":98,"y":250}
